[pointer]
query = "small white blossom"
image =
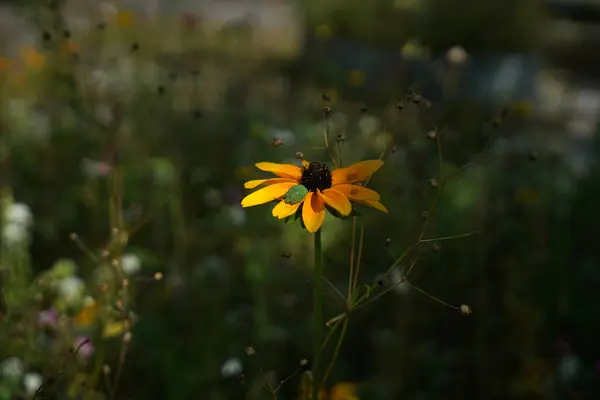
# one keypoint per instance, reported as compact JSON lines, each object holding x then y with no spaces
{"x":237,"y":214}
{"x":71,"y":289}
{"x":457,"y":55}
{"x":14,"y":233}
{"x":12,"y":368}
{"x":130,"y":264}
{"x":232,"y":367}
{"x":32,"y":382}
{"x":18,"y":213}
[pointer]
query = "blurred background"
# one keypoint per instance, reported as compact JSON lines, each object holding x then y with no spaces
{"x":129,"y":270}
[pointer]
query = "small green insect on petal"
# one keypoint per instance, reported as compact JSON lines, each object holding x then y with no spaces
{"x":295,"y":194}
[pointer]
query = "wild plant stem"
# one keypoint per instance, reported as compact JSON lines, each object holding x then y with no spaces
{"x":318,"y":312}
{"x":336,"y":352}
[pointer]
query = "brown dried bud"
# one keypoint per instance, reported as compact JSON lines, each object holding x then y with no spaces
{"x":276,"y":142}
{"x":432,"y":134}
{"x":433,"y":183}
{"x":299,"y":155}
{"x":250,"y":351}
{"x":327,"y":111}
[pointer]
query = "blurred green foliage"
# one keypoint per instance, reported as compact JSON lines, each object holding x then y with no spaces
{"x":126,"y":153}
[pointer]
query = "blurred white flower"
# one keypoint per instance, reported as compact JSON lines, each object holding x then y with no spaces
{"x":18,"y":213}
{"x":232,"y":367}
{"x":237,"y":214}
{"x":368,"y":125}
{"x":457,"y":55}
{"x":71,"y":289}
{"x":14,"y":233}
{"x":286,"y":136}
{"x":12,"y":368}
{"x":212,"y":197}
{"x":130,"y":264}
{"x":568,"y":368}
{"x":32,"y":382}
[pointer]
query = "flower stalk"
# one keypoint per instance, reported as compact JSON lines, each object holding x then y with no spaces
{"x":318,"y":312}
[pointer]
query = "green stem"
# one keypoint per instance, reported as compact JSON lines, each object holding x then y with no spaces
{"x":318,"y":312}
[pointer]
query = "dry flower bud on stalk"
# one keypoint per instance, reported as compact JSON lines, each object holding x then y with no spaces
{"x":303,"y":362}
{"x":433,"y":183}
{"x":127,"y":337}
{"x":326,"y":111}
{"x":432,"y":134}
{"x":276,"y":142}
{"x":299,"y":155}
{"x":465,"y":309}
{"x":388,"y":241}
{"x":286,"y":254}
{"x":73,"y":236}
{"x":158,"y":276}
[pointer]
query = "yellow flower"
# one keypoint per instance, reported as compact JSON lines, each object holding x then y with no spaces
{"x":86,"y":317}
{"x":33,"y":59}
{"x":316,"y":188}
{"x":125,"y":19}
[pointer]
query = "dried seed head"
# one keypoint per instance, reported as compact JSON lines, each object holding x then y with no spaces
{"x":250,"y":351}
{"x":303,"y":362}
{"x":299,"y":155}
{"x":465,"y":309}
{"x":417,"y":99}
{"x":432,"y":134}
{"x":433,"y":183}
{"x":327,"y":111}
{"x":276,"y":142}
{"x":158,"y":276}
{"x":400,"y":105}
{"x":286,"y":254}
{"x":73,"y":236}
{"x":341,"y":138}
{"x":388,"y":241}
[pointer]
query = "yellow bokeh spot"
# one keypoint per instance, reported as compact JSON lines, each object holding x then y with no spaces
{"x":244,"y":172}
{"x":323,"y":32}
{"x":357,"y":77}
{"x":125,"y":18}
{"x":115,"y":328}
{"x":4,"y":64}
{"x":527,"y":196}
{"x":522,"y":108}
{"x":87,"y":315}
{"x":33,"y":59}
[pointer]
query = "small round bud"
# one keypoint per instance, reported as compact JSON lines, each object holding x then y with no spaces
{"x":158,"y":276}
{"x":433,"y":183}
{"x":73,"y":236}
{"x":276,"y":142}
{"x":465,"y":309}
{"x":303,"y":362}
{"x":432,"y":134}
{"x":299,"y":155}
{"x":127,"y":337}
{"x":250,"y":351}
{"x":327,"y":111}
{"x":388,"y":241}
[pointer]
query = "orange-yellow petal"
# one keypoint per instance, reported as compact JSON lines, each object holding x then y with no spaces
{"x":282,"y":170}
{"x":337,"y":200}
{"x":257,"y":182}
{"x":283,"y":210}
{"x":313,"y":212}
{"x":356,"y":172}
{"x":305,"y":163}
{"x":357,"y":193}
{"x":375,"y":204}
{"x":266,"y":194}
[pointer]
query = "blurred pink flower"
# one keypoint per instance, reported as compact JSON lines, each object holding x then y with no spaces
{"x":85,"y":346}
{"x":48,"y":318}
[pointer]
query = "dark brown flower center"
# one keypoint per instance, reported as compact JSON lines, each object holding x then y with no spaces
{"x":316,"y":176}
